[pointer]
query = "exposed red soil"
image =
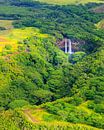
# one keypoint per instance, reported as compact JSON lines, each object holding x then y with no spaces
{"x":2,"y":39}
{"x":29,"y":116}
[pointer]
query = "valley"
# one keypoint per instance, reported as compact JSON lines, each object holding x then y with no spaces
{"x":51,"y":65}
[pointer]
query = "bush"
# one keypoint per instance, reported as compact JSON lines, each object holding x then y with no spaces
{"x":42,"y":96}
{"x":2,"y":28}
{"x":76,"y":101}
{"x":99,"y":108}
{"x":77,"y":56}
{"x":8,"y":47}
{"x":18,"y":104}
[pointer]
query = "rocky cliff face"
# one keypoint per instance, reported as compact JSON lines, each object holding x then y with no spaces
{"x":76,"y":44}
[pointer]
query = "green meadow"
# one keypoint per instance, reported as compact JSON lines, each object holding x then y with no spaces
{"x":12,"y":36}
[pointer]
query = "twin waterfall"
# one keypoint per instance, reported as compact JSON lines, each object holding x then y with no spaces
{"x":68,"y":46}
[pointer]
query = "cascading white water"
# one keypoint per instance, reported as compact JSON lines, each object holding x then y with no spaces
{"x":70,"y":46}
{"x":65,"y":45}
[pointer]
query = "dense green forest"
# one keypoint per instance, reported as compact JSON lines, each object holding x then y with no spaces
{"x":41,"y":87}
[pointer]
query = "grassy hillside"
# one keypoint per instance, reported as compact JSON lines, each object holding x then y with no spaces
{"x":11,"y":37}
{"x":100,"y":24}
{"x":6,"y":23}
{"x":62,"y":2}
{"x":60,"y":114}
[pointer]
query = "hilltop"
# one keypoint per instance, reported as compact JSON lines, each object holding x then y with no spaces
{"x":64,"y":2}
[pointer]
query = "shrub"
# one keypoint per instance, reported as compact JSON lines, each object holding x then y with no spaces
{"x":8,"y":47}
{"x":18,"y":104}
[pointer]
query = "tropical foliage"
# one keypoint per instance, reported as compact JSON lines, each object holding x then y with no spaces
{"x":41,"y":87}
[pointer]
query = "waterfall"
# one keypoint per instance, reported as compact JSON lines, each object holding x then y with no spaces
{"x":65,"y":45}
{"x":70,"y":46}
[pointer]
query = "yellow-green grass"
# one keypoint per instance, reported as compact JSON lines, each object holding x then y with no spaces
{"x":6,"y":41}
{"x":6,"y":23}
{"x":40,"y":116}
{"x":15,"y":35}
{"x":63,"y":2}
{"x":20,"y":34}
{"x":56,"y":125}
{"x":36,"y":116}
{"x":100,"y":24}
{"x":11,"y":36}
{"x":84,"y":107}
{"x":39,"y":113}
